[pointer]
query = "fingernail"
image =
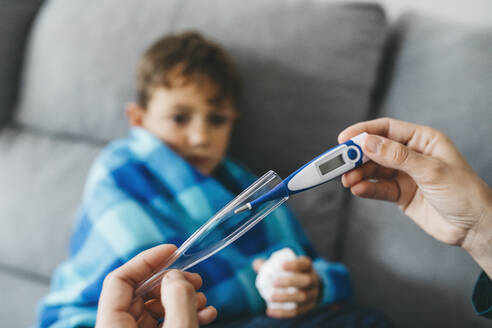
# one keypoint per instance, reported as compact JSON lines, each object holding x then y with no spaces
{"x":344,"y":181}
{"x":173,"y":274}
{"x":371,"y":143}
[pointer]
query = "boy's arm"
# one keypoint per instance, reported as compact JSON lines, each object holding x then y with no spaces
{"x":334,"y":277}
{"x":334,"y":280}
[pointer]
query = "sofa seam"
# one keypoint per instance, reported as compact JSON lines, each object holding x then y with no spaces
{"x":24,"y":274}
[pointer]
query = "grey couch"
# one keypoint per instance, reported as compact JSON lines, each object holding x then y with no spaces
{"x":310,"y":69}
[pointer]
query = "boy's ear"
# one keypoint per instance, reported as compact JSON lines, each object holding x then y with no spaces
{"x":134,"y":114}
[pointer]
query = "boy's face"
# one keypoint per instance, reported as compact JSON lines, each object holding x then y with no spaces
{"x":186,"y":119}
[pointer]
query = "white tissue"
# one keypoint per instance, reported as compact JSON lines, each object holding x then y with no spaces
{"x":269,"y":272}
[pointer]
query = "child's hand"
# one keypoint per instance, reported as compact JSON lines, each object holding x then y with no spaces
{"x":304,"y":278}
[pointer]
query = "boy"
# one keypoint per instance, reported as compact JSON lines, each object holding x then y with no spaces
{"x":169,"y":177}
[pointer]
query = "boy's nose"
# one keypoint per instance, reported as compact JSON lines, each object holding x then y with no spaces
{"x":199,"y":135}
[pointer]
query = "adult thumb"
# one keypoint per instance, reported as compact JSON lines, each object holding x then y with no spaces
{"x":393,"y":155}
{"x":179,"y":301}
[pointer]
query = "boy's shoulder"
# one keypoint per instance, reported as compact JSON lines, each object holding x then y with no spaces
{"x":115,"y":153}
{"x":137,"y":147}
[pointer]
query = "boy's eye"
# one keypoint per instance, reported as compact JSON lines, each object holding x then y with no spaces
{"x":180,"y":118}
{"x":217,"y":119}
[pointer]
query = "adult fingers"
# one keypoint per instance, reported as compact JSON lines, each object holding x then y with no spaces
{"x":300,"y":264}
{"x":388,"y":190}
{"x":194,"y":278}
{"x":422,"y":139}
{"x":146,"y":320}
{"x":201,"y":301}
{"x":179,"y":300}
{"x":118,"y":287}
{"x":136,"y":308}
{"x":394,"y":155}
{"x":144,"y":264}
{"x":155,"y":308}
{"x":419,"y":138}
{"x":207,"y":315}
{"x":396,"y":130}
{"x":370,"y":170}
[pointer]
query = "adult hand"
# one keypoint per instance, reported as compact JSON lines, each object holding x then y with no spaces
{"x":304,"y":278}
{"x":420,"y":169}
{"x":177,"y":297}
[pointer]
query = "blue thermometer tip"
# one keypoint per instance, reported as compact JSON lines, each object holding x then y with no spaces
{"x":279,"y":191}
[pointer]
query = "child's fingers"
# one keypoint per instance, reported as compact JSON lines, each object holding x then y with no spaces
{"x":301,"y":296}
{"x":300,"y":264}
{"x":257,"y":264}
{"x":281,"y":313}
{"x":300,"y":280}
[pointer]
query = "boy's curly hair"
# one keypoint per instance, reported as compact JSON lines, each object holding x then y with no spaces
{"x":195,"y":57}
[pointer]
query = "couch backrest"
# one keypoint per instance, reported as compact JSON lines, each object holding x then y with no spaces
{"x":15,"y":23}
{"x":308,"y":67}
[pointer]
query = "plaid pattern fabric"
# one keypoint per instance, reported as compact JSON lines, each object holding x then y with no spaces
{"x":140,"y":194}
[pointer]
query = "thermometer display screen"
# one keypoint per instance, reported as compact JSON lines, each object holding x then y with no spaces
{"x":332,"y":164}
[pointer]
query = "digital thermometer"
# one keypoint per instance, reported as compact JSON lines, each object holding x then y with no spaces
{"x":327,"y":166}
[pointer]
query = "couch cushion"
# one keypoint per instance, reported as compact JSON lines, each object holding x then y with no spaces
{"x":20,"y":296}
{"x":81,"y":61}
{"x":80,"y":67}
{"x":442,"y":78}
{"x":15,"y":23}
{"x":41,"y":186}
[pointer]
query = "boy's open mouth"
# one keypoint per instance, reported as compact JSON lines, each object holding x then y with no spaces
{"x":199,"y":160}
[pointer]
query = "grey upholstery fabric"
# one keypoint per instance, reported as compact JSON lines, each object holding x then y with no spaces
{"x":308,"y":70}
{"x":15,"y":22}
{"x":42,"y":180}
{"x":80,"y":67}
{"x":19,"y":300}
{"x":442,"y":78}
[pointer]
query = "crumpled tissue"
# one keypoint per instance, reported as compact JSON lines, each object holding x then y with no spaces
{"x":269,"y":272}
